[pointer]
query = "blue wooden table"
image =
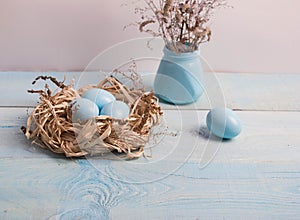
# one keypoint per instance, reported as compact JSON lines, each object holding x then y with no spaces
{"x":186,"y":173}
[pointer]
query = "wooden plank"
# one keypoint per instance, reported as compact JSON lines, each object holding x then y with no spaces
{"x":266,"y":137}
{"x":277,"y":92}
{"x":64,"y":189}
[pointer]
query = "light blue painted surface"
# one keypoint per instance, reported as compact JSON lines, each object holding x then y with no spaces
{"x":64,"y":189}
{"x":256,"y":176}
{"x":240,"y":91}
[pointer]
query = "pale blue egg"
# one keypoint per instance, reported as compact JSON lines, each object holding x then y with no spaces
{"x":99,"y":96}
{"x":224,"y":123}
{"x":83,"y":109}
{"x":116,"y":109}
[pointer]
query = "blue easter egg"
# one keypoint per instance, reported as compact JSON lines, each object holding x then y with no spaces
{"x":99,"y":96}
{"x":116,"y":109}
{"x":224,"y":123}
{"x":83,"y":109}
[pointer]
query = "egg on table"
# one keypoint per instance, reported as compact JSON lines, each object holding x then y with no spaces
{"x":99,"y":96}
{"x":116,"y":109}
{"x":224,"y":123}
{"x":83,"y":109}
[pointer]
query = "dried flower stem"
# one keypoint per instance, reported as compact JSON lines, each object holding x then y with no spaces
{"x":181,"y":23}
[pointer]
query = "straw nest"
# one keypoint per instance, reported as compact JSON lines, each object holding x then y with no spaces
{"x":50,"y":124}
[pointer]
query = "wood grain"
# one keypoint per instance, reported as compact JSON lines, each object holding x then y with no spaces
{"x":256,"y":175}
{"x":64,"y":189}
{"x":186,"y":173}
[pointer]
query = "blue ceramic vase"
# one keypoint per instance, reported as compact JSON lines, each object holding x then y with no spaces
{"x":179,"y":77}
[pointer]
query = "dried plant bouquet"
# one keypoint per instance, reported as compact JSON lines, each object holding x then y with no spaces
{"x":183,"y":24}
{"x":50,"y":124}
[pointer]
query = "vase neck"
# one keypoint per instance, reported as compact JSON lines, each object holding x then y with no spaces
{"x":186,"y":55}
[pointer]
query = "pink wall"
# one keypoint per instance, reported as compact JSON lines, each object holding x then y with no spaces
{"x":64,"y":35}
